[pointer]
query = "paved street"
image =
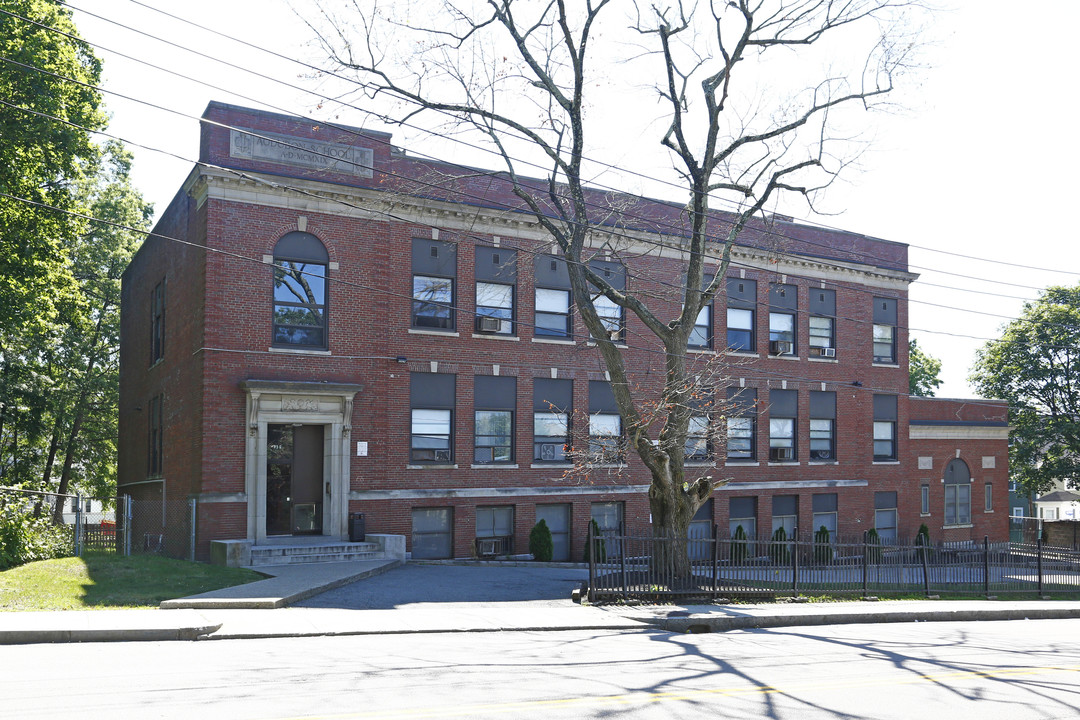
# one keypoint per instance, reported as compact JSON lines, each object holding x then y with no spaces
{"x":415,"y":584}
{"x":986,"y":670}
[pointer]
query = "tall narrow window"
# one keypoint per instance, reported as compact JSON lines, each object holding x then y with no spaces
{"x":742,"y":302}
{"x":697,"y":439}
{"x":822,"y":339}
{"x":300,"y":263}
{"x":825,"y":507}
{"x":495,"y":400}
{"x":885,"y":331}
{"x":783,"y":306}
{"x":924,"y":500}
{"x":783,"y":410}
{"x":988,"y":497}
{"x":434,"y":273}
{"x":785,"y":514}
{"x":741,"y":423}
{"x":552,"y":407}
{"x":157,"y":323}
{"x":431,"y":400}
{"x":553,"y":300}
{"x":605,"y":424}
{"x":496,"y":279}
{"x":155,"y":455}
{"x":885,"y":427}
{"x":822,"y":426}
{"x":611,"y":314}
{"x":701,"y":336}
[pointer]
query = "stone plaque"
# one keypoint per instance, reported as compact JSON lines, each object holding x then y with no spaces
{"x":303,"y":404}
{"x":301,"y":152}
{"x":989,"y":461}
{"x":926,"y":463}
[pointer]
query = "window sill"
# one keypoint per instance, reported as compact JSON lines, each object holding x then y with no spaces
{"x":924,"y":514}
{"x":741,"y":353}
{"x":437,"y":333}
{"x":543,"y":465}
{"x":885,"y":462}
{"x":433,"y":466}
{"x":700,"y":351}
{"x":609,"y":465}
{"x":297,"y":351}
{"x":554,"y":341}
{"x":834,"y":361}
{"x":494,"y":466}
{"x":796,"y":463}
{"x":156,"y":363}
{"x":785,"y":356}
{"x":742,"y":463}
{"x":885,"y":365}
{"x":621,"y":344}
{"x":961,"y":526}
{"x":823,"y":462}
{"x":496,"y":336}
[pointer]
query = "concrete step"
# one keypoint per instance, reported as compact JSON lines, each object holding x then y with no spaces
{"x":267,"y":555}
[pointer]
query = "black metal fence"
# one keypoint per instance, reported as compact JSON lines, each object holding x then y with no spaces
{"x":647,"y":568}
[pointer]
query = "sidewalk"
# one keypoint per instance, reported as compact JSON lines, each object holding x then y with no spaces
{"x":257,"y":610}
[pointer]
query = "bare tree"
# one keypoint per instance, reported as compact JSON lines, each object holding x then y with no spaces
{"x":521,"y":76}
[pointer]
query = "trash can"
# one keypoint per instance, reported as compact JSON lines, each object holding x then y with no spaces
{"x":357,"y":530}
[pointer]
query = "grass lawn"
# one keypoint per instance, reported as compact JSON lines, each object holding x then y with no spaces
{"x":105,"y":581}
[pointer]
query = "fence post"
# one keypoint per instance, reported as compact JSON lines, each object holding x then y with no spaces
{"x":192,"y":503}
{"x":127,"y":525}
{"x":1039,"y":551}
{"x":795,"y":560}
{"x":715,"y":561}
{"x":924,"y":550}
{"x":78,"y":522}
{"x":986,"y":565}
{"x":592,"y":565}
{"x":865,"y":564}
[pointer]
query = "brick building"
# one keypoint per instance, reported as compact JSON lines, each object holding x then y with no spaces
{"x":322,"y":324}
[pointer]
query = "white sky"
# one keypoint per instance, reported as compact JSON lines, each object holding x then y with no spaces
{"x":979,"y":166}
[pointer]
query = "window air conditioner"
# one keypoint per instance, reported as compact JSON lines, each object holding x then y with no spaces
{"x":782,"y":453}
{"x":488,"y":324}
{"x":779,"y":347}
{"x":828,"y":352}
{"x":549,"y":452}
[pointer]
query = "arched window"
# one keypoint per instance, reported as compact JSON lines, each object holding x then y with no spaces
{"x":957,"y":493}
{"x":300,"y":262}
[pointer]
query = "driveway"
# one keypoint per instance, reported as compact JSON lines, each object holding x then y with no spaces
{"x":415,"y":585}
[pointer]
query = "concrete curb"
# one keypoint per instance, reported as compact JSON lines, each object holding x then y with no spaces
{"x":713,"y":623}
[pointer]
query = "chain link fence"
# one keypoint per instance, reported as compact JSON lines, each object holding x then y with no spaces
{"x":38,"y":525}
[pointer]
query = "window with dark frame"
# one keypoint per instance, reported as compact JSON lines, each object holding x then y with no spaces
{"x":825,"y":514}
{"x":157,"y":323}
{"x":783,"y":411}
{"x":494,"y":404}
{"x":701,"y":336}
{"x":822,"y":426}
{"x":988,"y":497}
{"x":741,"y":424}
{"x":431,"y":401}
{"x":553,"y":298}
{"x":885,"y":331}
{"x":155,"y":456}
{"x":697,"y":439}
{"x":495,"y":521}
{"x":434,"y":276}
{"x":957,"y":479}
{"x":552,"y":408}
{"x":924,"y":500}
{"x":300,"y":292}
{"x":606,"y":443}
{"x":783,"y":309}
{"x":741,"y":308}
{"x":742,"y":512}
{"x":496,"y":290}
{"x":611,"y":314}
{"x":885,"y":517}
{"x":785,"y":514}
{"x":885,"y":427}
{"x":822,"y":323}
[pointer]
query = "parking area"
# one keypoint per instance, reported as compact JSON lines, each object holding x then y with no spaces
{"x":478,"y":585}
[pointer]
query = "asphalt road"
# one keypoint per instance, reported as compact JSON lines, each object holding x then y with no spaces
{"x":986,"y":670}
{"x":414,"y":584}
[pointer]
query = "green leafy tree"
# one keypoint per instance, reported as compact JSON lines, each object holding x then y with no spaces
{"x":923,"y":371}
{"x":1035,"y":365}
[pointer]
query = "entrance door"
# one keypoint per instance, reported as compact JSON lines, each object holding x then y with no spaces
{"x":294,"y":479}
